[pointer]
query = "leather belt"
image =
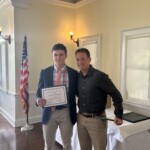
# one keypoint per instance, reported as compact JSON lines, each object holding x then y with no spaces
{"x":91,"y":115}
{"x":60,"y":107}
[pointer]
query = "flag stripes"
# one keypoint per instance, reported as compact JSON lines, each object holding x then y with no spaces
{"x":24,"y":74}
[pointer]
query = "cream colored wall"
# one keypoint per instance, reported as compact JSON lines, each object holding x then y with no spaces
{"x":109,"y":18}
{"x":44,"y":25}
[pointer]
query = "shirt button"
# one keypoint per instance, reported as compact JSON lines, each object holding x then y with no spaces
{"x":83,"y":87}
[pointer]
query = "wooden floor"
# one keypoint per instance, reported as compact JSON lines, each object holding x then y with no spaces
{"x":13,"y":139}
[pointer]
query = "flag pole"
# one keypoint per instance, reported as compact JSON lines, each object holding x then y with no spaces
{"x":28,"y":126}
{"x":27,"y":118}
{"x":24,"y":86}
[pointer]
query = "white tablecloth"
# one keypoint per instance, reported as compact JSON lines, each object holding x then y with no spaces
{"x":129,"y":136}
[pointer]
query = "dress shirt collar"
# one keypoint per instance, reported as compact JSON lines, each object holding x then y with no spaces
{"x":62,"y":69}
{"x":89,"y":73}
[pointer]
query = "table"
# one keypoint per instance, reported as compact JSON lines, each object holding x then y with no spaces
{"x":128,"y":136}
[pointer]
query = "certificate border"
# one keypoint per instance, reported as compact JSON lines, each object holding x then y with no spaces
{"x":64,"y":98}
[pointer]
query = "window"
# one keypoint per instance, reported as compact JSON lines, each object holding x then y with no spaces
{"x":135,"y":66}
{"x":92,"y":43}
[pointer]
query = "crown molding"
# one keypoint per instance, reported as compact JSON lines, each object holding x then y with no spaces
{"x":20,"y":3}
{"x":69,"y":5}
{"x":5,"y":3}
{"x":26,"y":3}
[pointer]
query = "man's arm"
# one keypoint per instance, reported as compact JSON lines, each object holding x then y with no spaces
{"x":117,"y":99}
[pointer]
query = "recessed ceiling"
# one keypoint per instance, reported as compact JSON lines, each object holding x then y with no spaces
{"x":69,"y":3}
{"x":66,"y":3}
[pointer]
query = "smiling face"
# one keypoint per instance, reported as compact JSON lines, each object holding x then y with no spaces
{"x":59,"y":57}
{"x":83,"y":61}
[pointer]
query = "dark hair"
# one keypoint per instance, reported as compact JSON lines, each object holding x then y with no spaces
{"x":59,"y":46}
{"x":83,"y":50}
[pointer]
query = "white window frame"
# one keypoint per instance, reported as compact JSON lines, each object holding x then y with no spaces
{"x":93,"y":39}
{"x":126,"y":36}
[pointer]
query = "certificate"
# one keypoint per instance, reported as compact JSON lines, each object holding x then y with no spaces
{"x":54,"y":96}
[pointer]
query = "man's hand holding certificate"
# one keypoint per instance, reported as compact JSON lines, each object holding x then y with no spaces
{"x":54,"y":96}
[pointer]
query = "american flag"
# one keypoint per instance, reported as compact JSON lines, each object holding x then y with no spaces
{"x":24,"y":74}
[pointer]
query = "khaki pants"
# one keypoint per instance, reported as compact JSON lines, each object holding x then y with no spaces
{"x":92,"y":131}
{"x":59,"y":118}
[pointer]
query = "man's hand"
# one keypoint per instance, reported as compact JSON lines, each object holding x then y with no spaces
{"x":118,"y":121}
{"x":41,"y":102}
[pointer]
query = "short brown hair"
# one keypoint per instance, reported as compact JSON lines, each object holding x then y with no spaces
{"x":83,"y":50}
{"x":59,"y":46}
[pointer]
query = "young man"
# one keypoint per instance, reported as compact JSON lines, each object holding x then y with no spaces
{"x":63,"y":116}
{"x":93,"y":87}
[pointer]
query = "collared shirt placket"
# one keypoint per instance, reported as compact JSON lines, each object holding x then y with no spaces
{"x":84,"y":95}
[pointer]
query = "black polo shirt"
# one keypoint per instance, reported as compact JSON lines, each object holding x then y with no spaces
{"x":93,"y":90}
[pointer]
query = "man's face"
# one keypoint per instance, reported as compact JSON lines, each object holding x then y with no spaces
{"x":59,"y":57}
{"x":83,"y":61}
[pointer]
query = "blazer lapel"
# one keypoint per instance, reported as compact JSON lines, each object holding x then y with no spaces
{"x":49,"y":77}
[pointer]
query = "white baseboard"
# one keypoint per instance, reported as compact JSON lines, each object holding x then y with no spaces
{"x":32,"y":120}
{"x":7,"y":116}
{"x":19,"y":122}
